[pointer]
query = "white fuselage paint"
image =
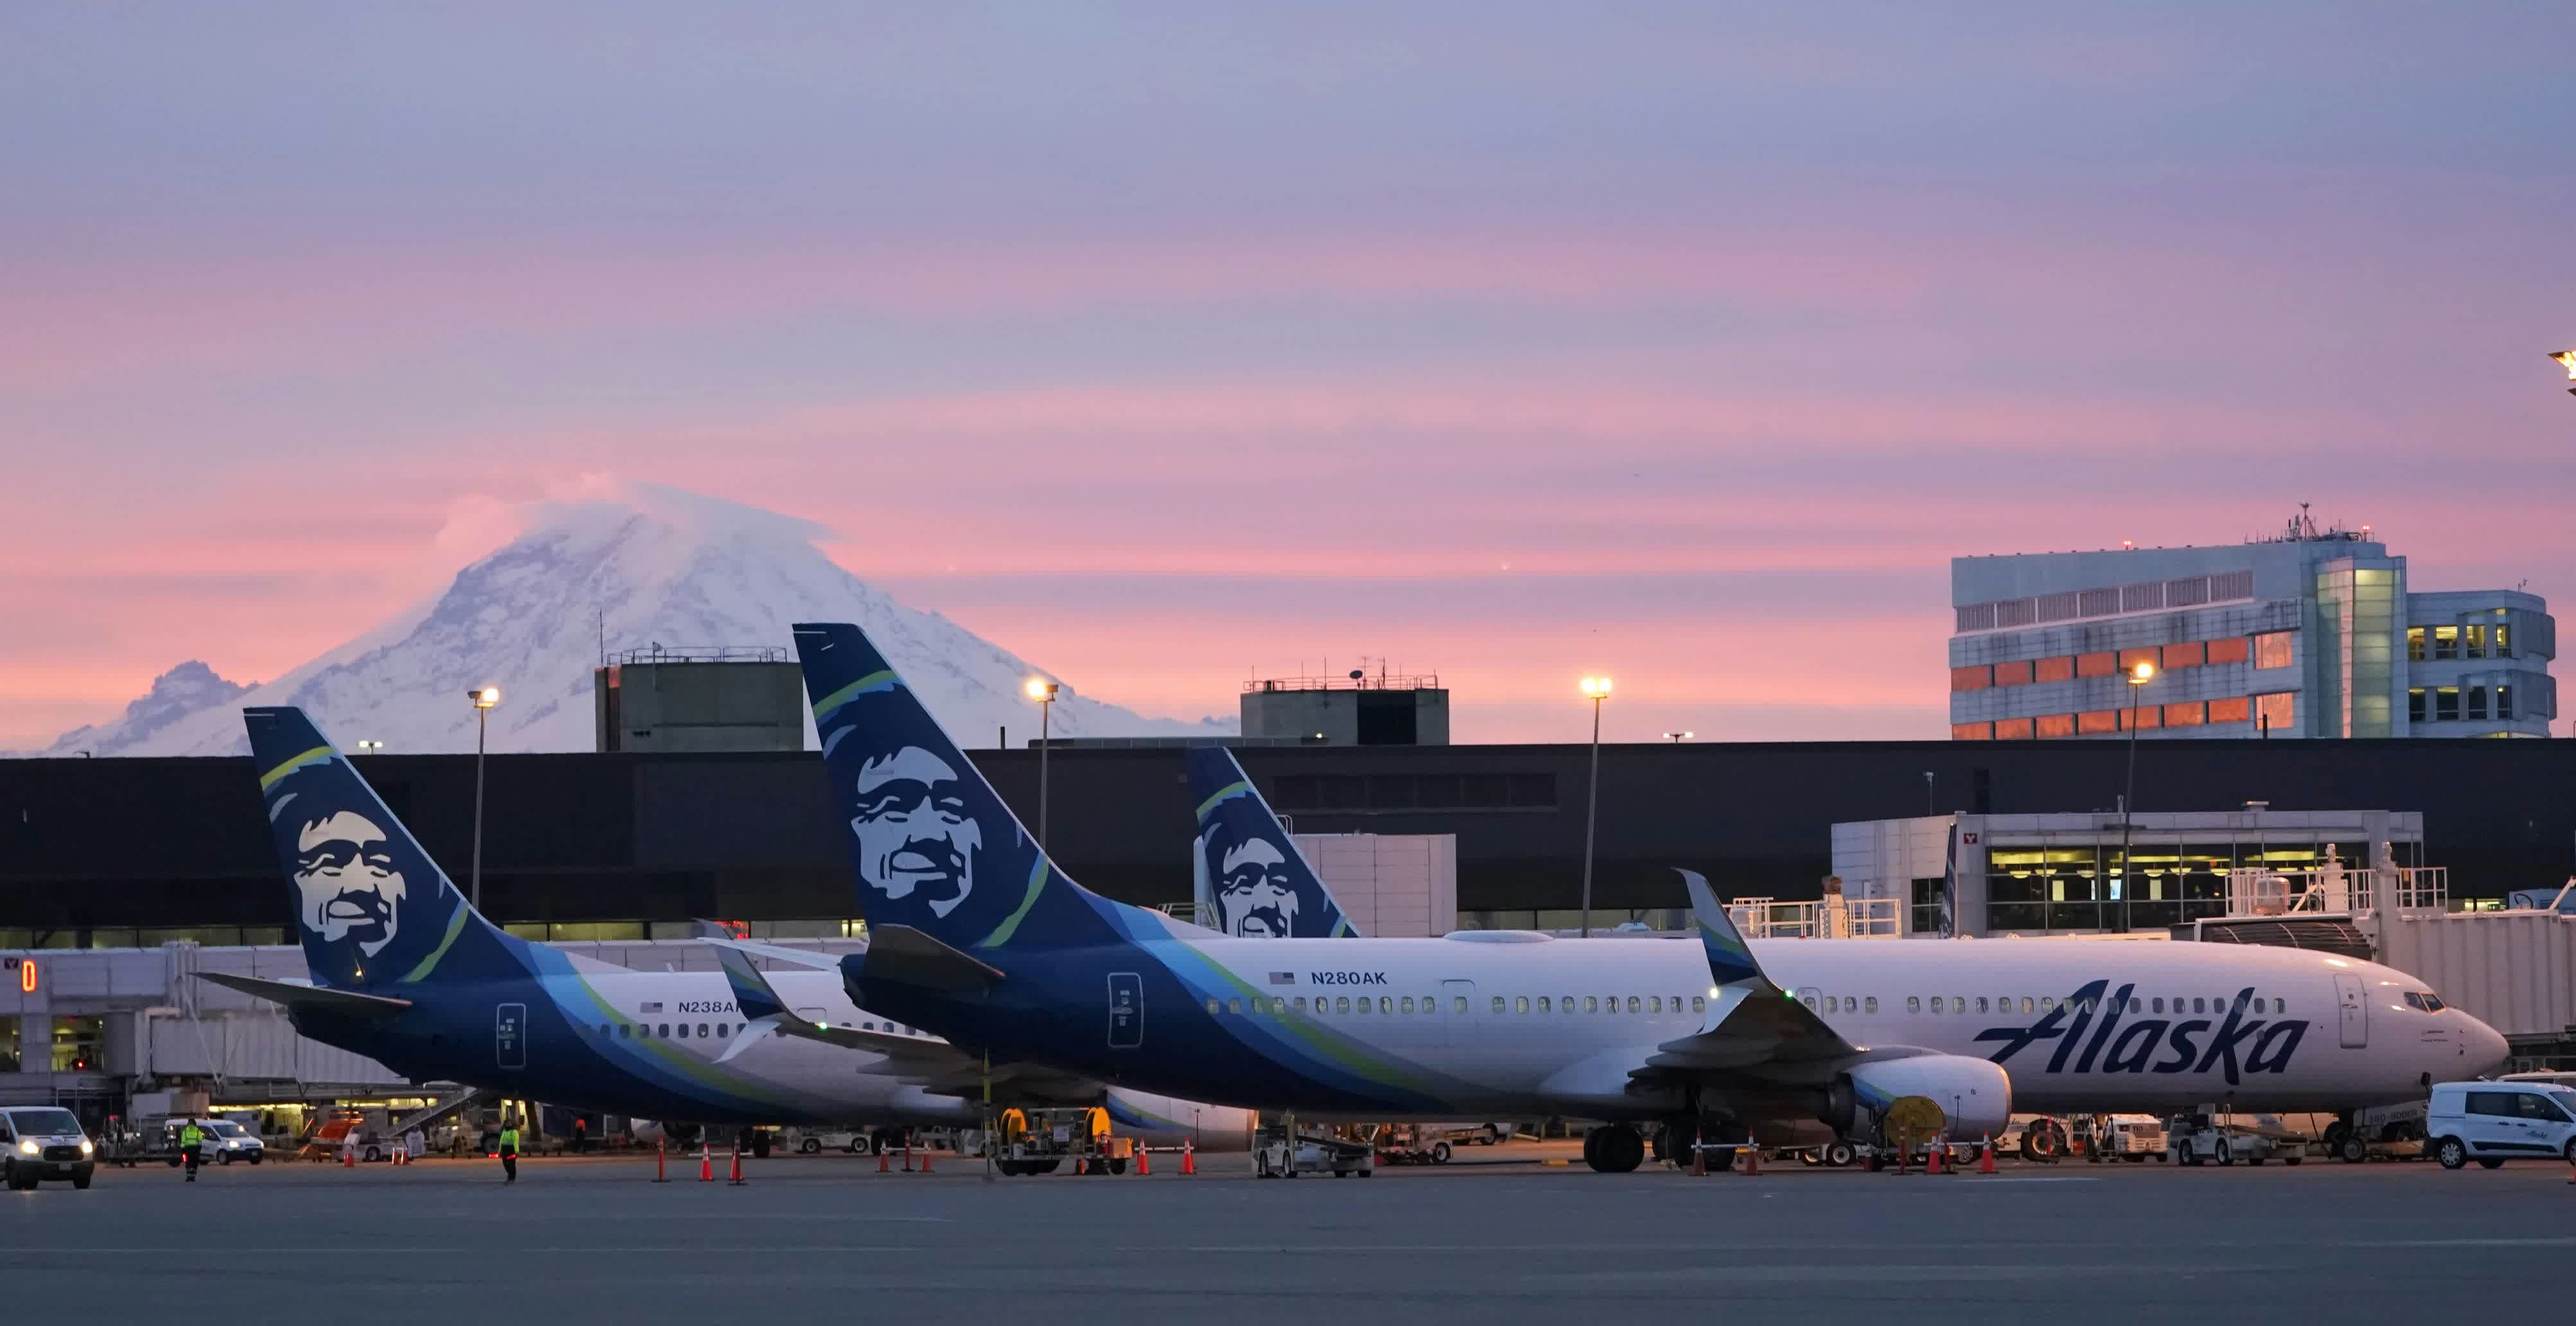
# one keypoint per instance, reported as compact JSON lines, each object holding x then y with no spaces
{"x":832,"y":1084}
{"x":1511,"y":1058}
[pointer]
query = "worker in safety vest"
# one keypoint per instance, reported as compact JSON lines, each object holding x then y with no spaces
{"x":510,"y":1152}
{"x":191,"y":1140}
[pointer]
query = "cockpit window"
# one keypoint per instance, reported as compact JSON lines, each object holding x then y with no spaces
{"x":2425,"y":1000}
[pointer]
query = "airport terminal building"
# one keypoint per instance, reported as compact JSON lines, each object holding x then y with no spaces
{"x":2311,"y":633}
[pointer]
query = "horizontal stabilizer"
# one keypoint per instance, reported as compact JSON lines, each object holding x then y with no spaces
{"x":911,"y":957}
{"x":296,"y":995}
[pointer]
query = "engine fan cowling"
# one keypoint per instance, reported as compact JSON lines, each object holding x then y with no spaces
{"x":1976,"y":1094}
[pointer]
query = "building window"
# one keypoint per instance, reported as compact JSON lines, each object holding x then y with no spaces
{"x":2414,"y":644}
{"x":2012,"y":729}
{"x":2186,"y":656}
{"x":78,"y":1043}
{"x":2446,"y":704}
{"x":2056,"y":725}
{"x":8,"y":1045}
{"x":2095,"y":665}
{"x":2473,"y":639}
{"x":2191,"y":713}
{"x":2503,"y":639}
{"x":2446,"y":643}
{"x":1972,"y":732}
{"x":2415,"y":704}
{"x":2098,"y":720}
{"x":2272,"y":649}
{"x":2274,"y":710}
{"x":2130,"y":658}
{"x":2060,"y":668}
{"x":2238,"y":710}
{"x":1971,"y":679}
{"x":2145,"y":718}
{"x":2013,"y":674}
{"x":2230,"y":650}
{"x":2504,"y":701}
{"x":2477,"y":704}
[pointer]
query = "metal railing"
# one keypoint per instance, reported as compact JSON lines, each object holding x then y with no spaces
{"x":661,"y":653}
{"x":1845,"y":918}
{"x":2337,"y":890}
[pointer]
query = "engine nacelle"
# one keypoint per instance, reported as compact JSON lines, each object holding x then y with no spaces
{"x":1976,"y":1094}
{"x":1168,"y":1121}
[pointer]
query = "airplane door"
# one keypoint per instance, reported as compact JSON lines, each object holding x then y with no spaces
{"x":510,"y":1035}
{"x":1457,"y":1010}
{"x":1126,"y":1010}
{"x":2352,"y":1006}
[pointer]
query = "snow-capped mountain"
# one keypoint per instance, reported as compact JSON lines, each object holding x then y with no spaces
{"x":653,"y":565}
{"x":183,"y":690}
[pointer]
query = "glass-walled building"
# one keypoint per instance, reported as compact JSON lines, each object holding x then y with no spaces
{"x":2062,"y":874}
{"x":2311,"y":633}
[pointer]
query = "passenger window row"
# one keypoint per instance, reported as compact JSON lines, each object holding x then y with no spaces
{"x":1400,"y":1005}
{"x":2043,"y":1004}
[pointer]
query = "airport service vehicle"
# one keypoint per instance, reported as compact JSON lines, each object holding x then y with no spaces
{"x":2197,"y":1139}
{"x":813,"y":1141}
{"x":406,"y":972}
{"x":975,"y":933}
{"x":226,"y":1141}
{"x":2130,"y":1137}
{"x":40,"y":1142}
{"x":2493,"y":1122}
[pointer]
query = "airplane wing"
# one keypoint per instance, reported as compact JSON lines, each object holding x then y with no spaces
{"x":295,"y":995}
{"x":1751,"y":1021}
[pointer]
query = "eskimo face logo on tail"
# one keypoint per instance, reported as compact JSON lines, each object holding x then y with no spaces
{"x":917,"y":842}
{"x":2095,"y":1033}
{"x":350,"y":888}
{"x":1256,"y":896}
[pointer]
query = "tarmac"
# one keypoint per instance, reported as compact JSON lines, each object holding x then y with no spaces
{"x":1499,"y":1237}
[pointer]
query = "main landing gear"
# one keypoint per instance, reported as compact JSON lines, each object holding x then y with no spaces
{"x":1613,"y":1149}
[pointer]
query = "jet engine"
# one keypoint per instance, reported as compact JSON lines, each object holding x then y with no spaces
{"x":1976,"y":1094}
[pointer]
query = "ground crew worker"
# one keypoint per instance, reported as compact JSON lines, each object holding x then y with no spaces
{"x":190,"y":1139}
{"x":580,"y":1133}
{"x":510,"y":1152}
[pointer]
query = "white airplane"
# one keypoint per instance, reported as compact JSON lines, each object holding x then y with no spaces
{"x":975,"y":933}
{"x":406,"y":972}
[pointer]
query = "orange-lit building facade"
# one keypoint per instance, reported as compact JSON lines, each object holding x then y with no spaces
{"x":2312,"y":634}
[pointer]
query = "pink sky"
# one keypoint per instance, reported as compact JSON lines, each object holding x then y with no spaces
{"x":1688,"y":350}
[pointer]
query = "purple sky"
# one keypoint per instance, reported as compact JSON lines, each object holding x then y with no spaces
{"x":1170,"y":344}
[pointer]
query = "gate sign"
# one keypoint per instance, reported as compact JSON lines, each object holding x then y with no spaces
{"x":26,"y":975}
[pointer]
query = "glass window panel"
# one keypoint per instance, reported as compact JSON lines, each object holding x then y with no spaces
{"x":1971,"y":679}
{"x":2477,"y":703}
{"x":2415,"y":704}
{"x":2446,"y":642}
{"x":2274,"y":711}
{"x":2233,"y":649}
{"x":2095,"y":665}
{"x":2060,"y":668}
{"x":2189,"y":713}
{"x":2012,"y":729}
{"x":2130,"y":658}
{"x":2414,"y":644}
{"x":2446,"y":704}
{"x":2013,"y":674}
{"x":2186,"y":656}
{"x":2473,"y":639}
{"x":2237,"y":710}
{"x":1972,"y":732}
{"x":2098,"y":720}
{"x":2057,"y":725}
{"x":2272,"y":649}
{"x":2146,"y":717}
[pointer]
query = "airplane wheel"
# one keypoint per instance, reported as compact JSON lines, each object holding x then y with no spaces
{"x":1613,"y":1149}
{"x":2353,"y":1149}
{"x":1440,"y":1153}
{"x":1839,"y":1154}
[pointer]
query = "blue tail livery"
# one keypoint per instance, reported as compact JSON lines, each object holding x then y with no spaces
{"x":1251,"y":880}
{"x":373,"y":911}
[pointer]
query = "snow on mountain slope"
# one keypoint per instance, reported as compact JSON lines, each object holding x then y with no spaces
{"x":186,"y":689}
{"x":652,"y":565}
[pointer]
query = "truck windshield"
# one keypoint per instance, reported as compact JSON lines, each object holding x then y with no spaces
{"x":224,"y":1128}
{"x":44,"y":1123}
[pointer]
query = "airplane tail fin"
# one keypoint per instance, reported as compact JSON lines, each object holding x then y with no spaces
{"x":374,"y":911}
{"x":932,"y":844}
{"x":1251,"y":879}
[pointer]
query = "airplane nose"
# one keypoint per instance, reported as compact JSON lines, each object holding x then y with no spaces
{"x":2488,"y":1051}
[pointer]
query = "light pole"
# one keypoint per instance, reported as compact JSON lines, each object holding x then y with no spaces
{"x":482,"y":698}
{"x":1595,"y":689}
{"x":2138,"y":675}
{"x":369,"y":746}
{"x":1042,"y":691}
{"x":2567,"y":360}
{"x":1678,"y":738}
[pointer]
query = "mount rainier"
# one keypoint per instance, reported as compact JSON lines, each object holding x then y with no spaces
{"x":652,"y":565}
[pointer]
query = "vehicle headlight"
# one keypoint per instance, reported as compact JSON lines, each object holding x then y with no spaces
{"x":27,"y":1146}
{"x":85,"y":1147}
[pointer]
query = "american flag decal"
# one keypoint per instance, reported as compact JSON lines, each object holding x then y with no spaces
{"x":1283,"y":978}
{"x":654,"y":1007}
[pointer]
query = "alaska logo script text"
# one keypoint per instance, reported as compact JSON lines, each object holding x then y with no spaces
{"x":2131,"y":1047}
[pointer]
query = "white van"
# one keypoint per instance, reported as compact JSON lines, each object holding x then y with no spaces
{"x":40,"y":1142}
{"x":2493,"y":1122}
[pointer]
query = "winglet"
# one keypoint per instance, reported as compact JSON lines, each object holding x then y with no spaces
{"x":751,"y":990}
{"x":1730,"y":959}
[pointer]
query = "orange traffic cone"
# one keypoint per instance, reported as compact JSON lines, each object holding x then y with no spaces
{"x":1144,"y":1162}
{"x":1189,"y":1160}
{"x":737,"y":1164}
{"x":348,"y":1155}
{"x":706,"y":1164}
{"x":661,"y":1160}
{"x":1752,"y":1156}
{"x":885,"y":1162}
{"x":1936,"y":1157}
{"x":1986,"y":1159}
{"x":925,"y":1160}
